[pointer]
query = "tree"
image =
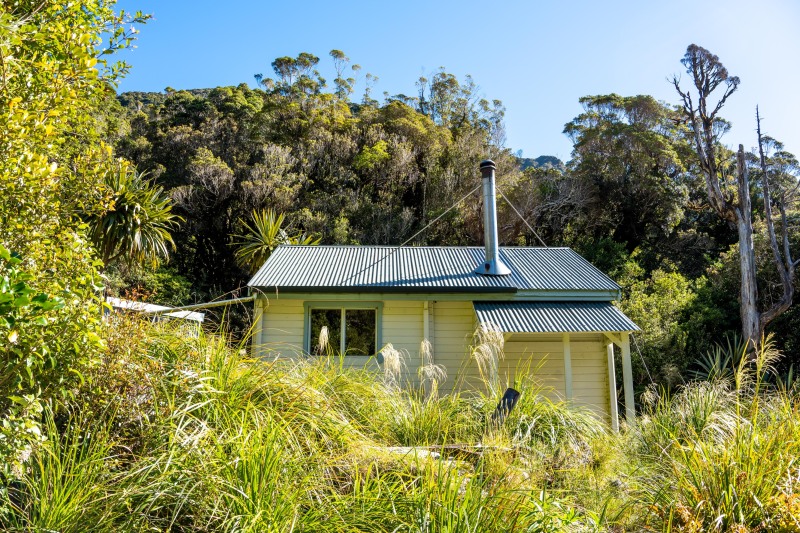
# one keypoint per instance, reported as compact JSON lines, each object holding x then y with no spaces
{"x":263,"y":234}
{"x":349,"y":172}
{"x":629,"y":156}
{"x":782,"y":255}
{"x":344,"y":86}
{"x":136,"y":224}
{"x":729,"y":196}
{"x":53,"y":80}
{"x":297,"y":77}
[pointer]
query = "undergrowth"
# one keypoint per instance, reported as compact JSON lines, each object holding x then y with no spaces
{"x":180,"y":433}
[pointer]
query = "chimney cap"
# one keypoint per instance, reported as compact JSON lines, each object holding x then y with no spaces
{"x":488,"y":163}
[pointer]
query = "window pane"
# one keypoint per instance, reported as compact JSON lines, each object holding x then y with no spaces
{"x":330,"y":318}
{"x":360,"y":332}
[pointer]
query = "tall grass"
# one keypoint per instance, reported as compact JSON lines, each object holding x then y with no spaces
{"x":724,"y":454}
{"x":68,"y":483}
{"x":192,"y":434}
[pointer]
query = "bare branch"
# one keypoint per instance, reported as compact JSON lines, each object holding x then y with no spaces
{"x":707,"y":73}
{"x":787,"y":253}
{"x":732,"y":86}
{"x":786,"y":271}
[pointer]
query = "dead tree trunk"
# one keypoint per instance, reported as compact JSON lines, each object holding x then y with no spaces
{"x":707,"y":75}
{"x":784,"y":264}
{"x":748,"y":293}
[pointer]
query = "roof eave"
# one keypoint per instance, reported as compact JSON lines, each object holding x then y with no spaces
{"x":588,"y":331}
{"x":583,"y":295}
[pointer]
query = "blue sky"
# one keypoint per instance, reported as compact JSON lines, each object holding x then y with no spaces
{"x":539,"y":58}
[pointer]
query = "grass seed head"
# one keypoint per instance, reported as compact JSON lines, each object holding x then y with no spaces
{"x":430,"y":373}
{"x":322,"y":345}
{"x":487,"y":353}
{"x":393,"y":364}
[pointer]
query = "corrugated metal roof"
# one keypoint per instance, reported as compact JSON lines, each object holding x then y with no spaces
{"x":553,"y":317}
{"x":445,"y":268}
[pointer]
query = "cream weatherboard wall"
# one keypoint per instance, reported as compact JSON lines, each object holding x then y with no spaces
{"x":282,"y":325}
{"x":453,"y":327}
{"x":403,"y":327}
{"x":450,"y":326}
{"x":543,"y":354}
{"x":281,"y":328}
{"x":590,"y":372}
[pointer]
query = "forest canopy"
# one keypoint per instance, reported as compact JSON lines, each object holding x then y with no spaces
{"x":342,"y":168}
{"x":109,"y":422}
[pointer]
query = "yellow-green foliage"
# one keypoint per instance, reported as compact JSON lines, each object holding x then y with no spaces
{"x":724,"y":454}
{"x":51,"y":161}
{"x":190,"y":434}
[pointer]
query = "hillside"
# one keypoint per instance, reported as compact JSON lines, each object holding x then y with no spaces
{"x":129,"y":422}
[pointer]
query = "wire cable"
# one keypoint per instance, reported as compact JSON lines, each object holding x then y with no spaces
{"x":428,"y":225}
{"x":642,"y":358}
{"x":520,"y":216}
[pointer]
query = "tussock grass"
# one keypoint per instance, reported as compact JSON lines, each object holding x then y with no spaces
{"x":723,"y":455}
{"x":174,"y":433}
{"x":66,"y":486}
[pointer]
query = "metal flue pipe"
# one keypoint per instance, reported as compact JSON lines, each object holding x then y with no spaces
{"x":492,"y":265}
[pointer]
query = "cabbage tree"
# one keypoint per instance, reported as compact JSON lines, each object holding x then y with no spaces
{"x":135,"y":226}
{"x":262,"y":235}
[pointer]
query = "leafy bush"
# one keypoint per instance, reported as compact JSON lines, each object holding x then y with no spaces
{"x":50,"y":88}
{"x":657,"y":305}
{"x":48,"y":341}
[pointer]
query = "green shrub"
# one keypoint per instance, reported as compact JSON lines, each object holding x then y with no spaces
{"x":49,"y":338}
{"x":51,"y":88}
{"x":723,"y":454}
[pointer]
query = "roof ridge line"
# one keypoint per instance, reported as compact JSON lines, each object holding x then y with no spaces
{"x":412,"y":247}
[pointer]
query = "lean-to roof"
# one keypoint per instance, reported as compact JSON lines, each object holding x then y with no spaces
{"x":553,"y":317}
